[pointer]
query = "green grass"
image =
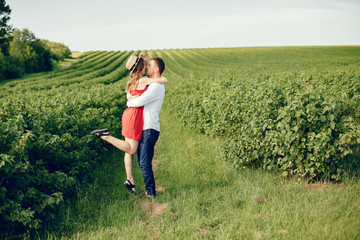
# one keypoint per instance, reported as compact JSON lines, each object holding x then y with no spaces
{"x":208,"y":199}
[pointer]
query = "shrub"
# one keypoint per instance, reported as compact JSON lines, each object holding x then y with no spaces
{"x":278,"y":111}
{"x":45,"y":148}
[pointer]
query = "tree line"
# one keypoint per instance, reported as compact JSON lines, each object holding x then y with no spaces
{"x":21,"y":52}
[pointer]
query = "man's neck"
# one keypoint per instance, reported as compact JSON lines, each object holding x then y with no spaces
{"x":156,"y":75}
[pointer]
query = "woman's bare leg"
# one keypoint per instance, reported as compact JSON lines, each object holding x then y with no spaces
{"x":118,"y":143}
{"x":128,"y":161}
{"x":129,"y":145}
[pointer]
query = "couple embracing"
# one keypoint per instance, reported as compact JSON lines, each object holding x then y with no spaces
{"x":140,"y":121}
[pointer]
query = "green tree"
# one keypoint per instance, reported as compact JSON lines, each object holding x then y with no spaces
{"x":5,"y":29}
{"x":58,"y":50}
{"x":29,"y":53}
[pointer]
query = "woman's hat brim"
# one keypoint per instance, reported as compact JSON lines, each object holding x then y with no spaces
{"x":132,"y":62}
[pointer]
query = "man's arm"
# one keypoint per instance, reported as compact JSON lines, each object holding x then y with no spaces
{"x":151,"y":94}
{"x":147,"y":80}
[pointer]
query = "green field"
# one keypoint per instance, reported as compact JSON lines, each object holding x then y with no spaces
{"x":256,"y":143}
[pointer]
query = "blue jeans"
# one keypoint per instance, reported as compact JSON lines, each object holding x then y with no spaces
{"x":145,"y":155}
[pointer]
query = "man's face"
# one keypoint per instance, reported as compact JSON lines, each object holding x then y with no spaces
{"x":151,"y":68}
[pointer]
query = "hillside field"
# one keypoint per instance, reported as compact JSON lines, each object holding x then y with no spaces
{"x":256,"y":143}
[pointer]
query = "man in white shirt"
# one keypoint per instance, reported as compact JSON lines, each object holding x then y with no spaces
{"x":152,"y":100}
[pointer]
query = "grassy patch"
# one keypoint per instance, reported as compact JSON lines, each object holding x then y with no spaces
{"x":69,"y":61}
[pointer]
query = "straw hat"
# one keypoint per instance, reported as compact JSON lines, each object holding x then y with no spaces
{"x":132,"y":62}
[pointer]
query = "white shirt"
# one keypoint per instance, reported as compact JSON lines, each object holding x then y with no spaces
{"x":152,"y":100}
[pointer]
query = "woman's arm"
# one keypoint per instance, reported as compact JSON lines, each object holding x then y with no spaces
{"x":132,"y":97}
{"x":147,"y":80}
{"x":129,"y":96}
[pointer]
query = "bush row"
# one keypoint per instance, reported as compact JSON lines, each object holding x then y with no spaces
{"x":296,"y":116}
{"x":46,"y":149}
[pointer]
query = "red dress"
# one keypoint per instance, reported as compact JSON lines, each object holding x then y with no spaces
{"x":132,"y":119}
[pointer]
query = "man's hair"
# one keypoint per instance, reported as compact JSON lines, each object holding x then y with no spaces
{"x":160,"y":63}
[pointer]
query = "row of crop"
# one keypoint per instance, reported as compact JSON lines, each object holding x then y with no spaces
{"x":33,"y":79}
{"x":63,"y":86}
{"x":112,"y":75}
{"x":19,"y":87}
{"x":85,"y":61}
{"x":112,"y":63}
{"x":106,"y":64}
{"x":46,"y":149}
{"x":66,"y":86}
{"x":299,"y":116}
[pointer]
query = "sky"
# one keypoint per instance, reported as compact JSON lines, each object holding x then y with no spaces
{"x":117,"y":25}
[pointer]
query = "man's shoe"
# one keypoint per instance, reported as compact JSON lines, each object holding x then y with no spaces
{"x":145,"y":196}
{"x":150,"y":197}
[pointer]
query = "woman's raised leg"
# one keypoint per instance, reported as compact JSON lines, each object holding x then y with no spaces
{"x":118,"y":143}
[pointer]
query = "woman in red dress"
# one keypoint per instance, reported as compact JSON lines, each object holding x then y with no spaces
{"x":132,"y":118}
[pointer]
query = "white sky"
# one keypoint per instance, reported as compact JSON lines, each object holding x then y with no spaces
{"x":86,"y":25}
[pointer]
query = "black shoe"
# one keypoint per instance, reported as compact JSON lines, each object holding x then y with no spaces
{"x":101,"y":132}
{"x":129,"y":186}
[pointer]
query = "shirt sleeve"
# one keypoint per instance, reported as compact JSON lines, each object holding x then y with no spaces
{"x":151,"y":94}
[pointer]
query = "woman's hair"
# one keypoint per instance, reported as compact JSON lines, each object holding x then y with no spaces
{"x":135,"y":75}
